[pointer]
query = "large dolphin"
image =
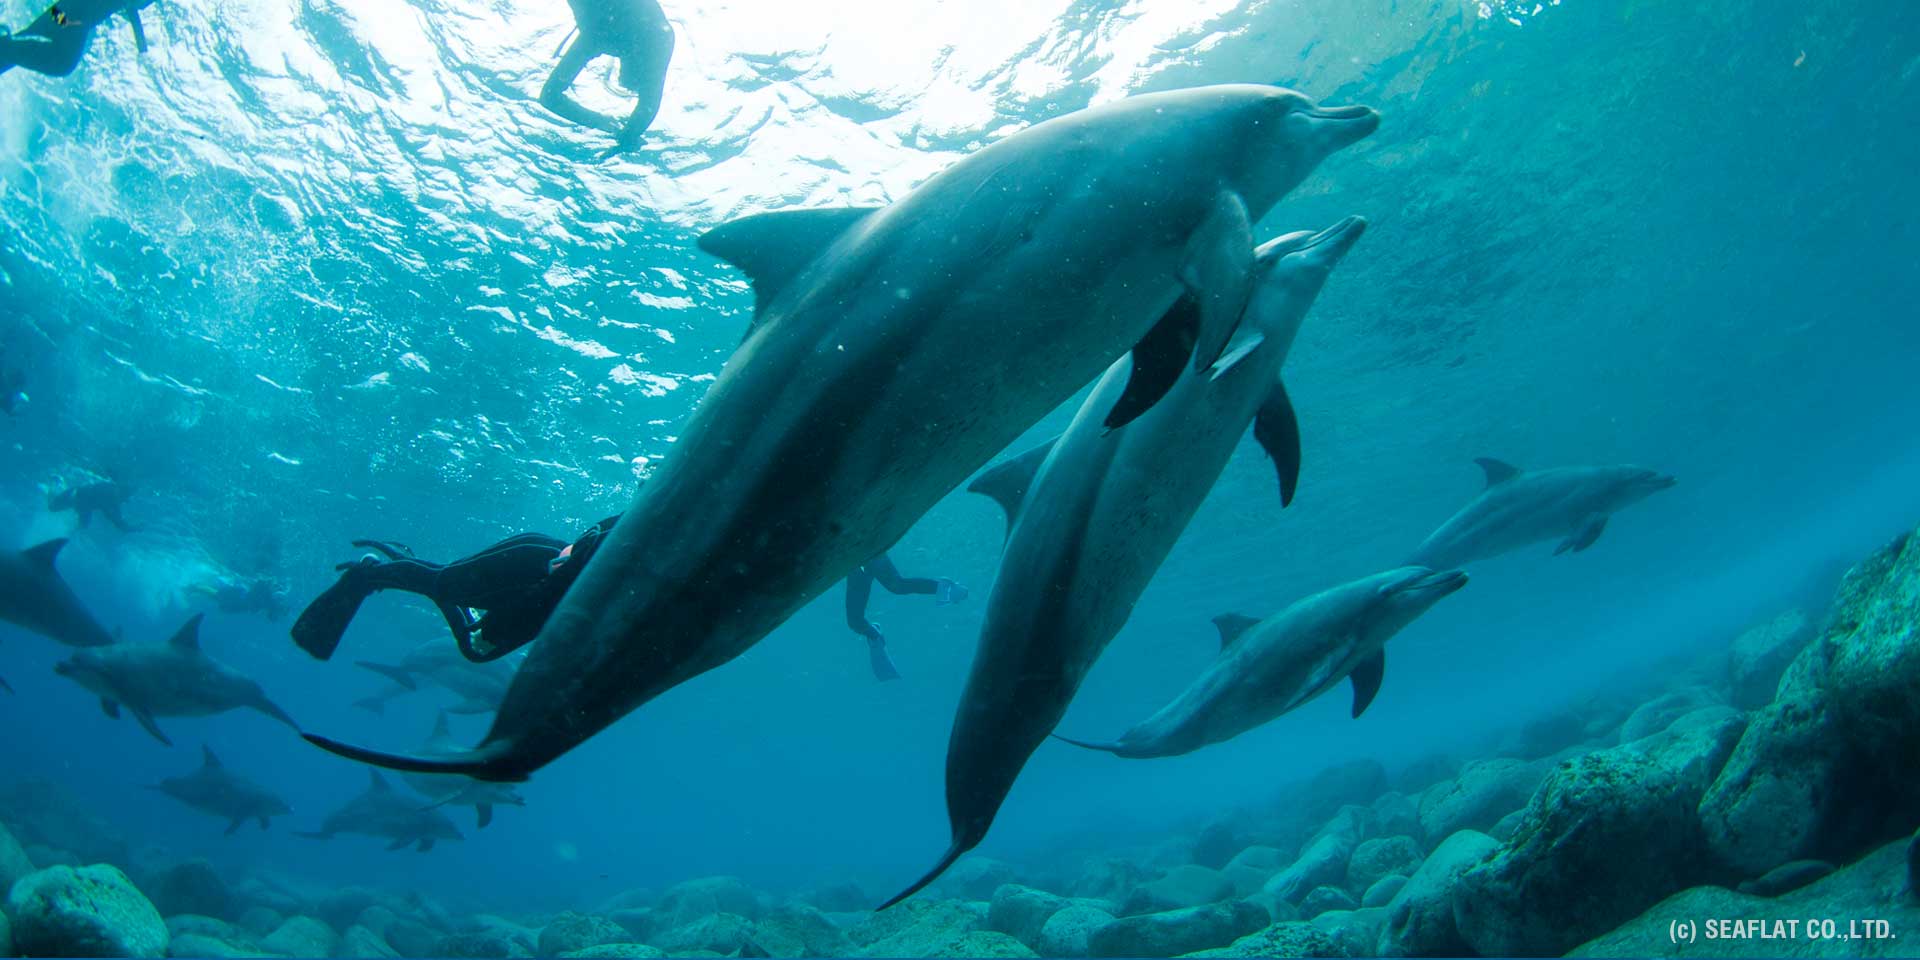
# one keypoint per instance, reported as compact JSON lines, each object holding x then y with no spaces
{"x":1269,"y":667}
{"x":893,"y":352}
{"x":33,"y":596}
{"x":455,"y":790}
{"x":172,"y":679}
{"x":382,"y":811}
{"x":1092,"y":515}
{"x":1519,"y":508}
{"x":214,"y":789}
{"x":480,"y":686}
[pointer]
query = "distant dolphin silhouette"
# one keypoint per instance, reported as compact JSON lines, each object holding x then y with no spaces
{"x":382,"y":811}
{"x":1519,"y":508}
{"x":212,"y":788}
{"x":173,"y":679}
{"x":892,"y":353}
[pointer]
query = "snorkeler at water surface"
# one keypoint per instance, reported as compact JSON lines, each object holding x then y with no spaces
{"x":56,"y":40}
{"x":635,"y":32}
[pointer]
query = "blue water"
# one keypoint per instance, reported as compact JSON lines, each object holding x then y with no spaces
{"x":315,"y":270}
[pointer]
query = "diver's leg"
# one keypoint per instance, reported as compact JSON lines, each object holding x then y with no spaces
{"x":56,"y":56}
{"x":113,"y":516}
{"x":859,"y":590}
{"x":646,"y":69}
{"x":554,"y":97}
{"x":500,"y":572}
{"x":889,"y":576}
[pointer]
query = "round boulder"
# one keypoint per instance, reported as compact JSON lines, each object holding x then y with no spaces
{"x":84,"y":912}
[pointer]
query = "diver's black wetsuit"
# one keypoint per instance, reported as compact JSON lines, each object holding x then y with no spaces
{"x":860,"y":589}
{"x":104,"y":498}
{"x":516,"y":583}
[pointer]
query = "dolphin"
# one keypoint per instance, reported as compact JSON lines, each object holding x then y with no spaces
{"x":172,"y":679}
{"x":1519,"y":508}
{"x":452,"y":789}
{"x":1269,"y":667}
{"x":480,"y":686}
{"x":34,"y":597}
{"x":1093,"y":514}
{"x":216,"y":790}
{"x":382,"y":811}
{"x":892,"y":353}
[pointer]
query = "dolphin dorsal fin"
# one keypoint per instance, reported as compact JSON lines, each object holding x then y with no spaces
{"x":376,"y":782}
{"x":188,"y":636}
{"x":440,"y":729}
{"x":43,"y":554}
{"x":207,"y":759}
{"x":1498,"y":471}
{"x":1007,"y":481}
{"x":773,"y":248}
{"x":1232,"y":625}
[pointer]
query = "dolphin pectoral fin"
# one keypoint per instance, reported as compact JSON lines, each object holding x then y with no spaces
{"x":1585,"y":536}
{"x":1231,"y":626}
{"x":946,"y":860}
{"x":400,"y":844}
{"x":110,"y":708}
{"x":146,"y":720}
{"x":485,"y":811}
{"x":1007,"y":482}
{"x":426,"y":844}
{"x":773,"y":248}
{"x":1218,"y":272}
{"x":1157,"y":361}
{"x":1278,"y":432}
{"x":396,"y":674}
{"x":234,"y":826}
{"x":485,"y":763}
{"x":1110,"y":746}
{"x":1366,"y":681}
{"x":1498,"y":471}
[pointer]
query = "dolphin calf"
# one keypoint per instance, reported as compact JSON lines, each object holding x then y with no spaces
{"x":216,"y":790}
{"x":892,"y":353}
{"x":454,"y":790}
{"x":1269,"y":667}
{"x":1519,"y":508}
{"x":172,"y":679}
{"x":381,"y":811}
{"x":34,"y":597}
{"x":1093,"y":514}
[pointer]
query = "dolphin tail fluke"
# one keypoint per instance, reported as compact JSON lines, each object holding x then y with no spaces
{"x":1110,"y":746}
{"x":273,"y":710}
{"x":480,"y":764}
{"x":946,"y":860}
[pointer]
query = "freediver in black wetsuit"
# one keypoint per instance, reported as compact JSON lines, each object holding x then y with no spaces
{"x":860,"y":588}
{"x":104,"y":498}
{"x":515,"y":584}
{"x":56,"y":40}
{"x":519,"y":581}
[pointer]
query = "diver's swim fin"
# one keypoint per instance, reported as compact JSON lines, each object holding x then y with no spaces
{"x":324,"y":622}
{"x":883,"y":668}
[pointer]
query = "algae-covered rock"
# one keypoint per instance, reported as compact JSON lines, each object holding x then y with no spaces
{"x":1108,"y":878}
{"x":359,"y":941}
{"x":1868,"y":890}
{"x":1383,"y":891}
{"x":916,"y":928}
{"x":1485,"y":791}
{"x":14,"y":862}
{"x":488,"y":944}
{"x":1785,"y":878}
{"x":1396,"y":814}
{"x":1379,"y":857}
{"x":976,"y":878}
{"x":301,"y":936}
{"x":1354,"y":932}
{"x":1176,"y":932}
{"x":1825,"y":770}
{"x":686,"y":902}
{"x":1021,"y":912}
{"x":1760,"y":655}
{"x":6,"y":935}
{"x":84,"y":912}
{"x":799,"y":930}
{"x":1323,"y":860}
{"x":722,"y":933}
{"x":1608,"y":835}
{"x":1065,"y":934}
{"x":577,"y":931}
{"x":1419,"y":919}
{"x":1659,"y":713}
{"x":983,"y":943}
{"x":1323,"y":899}
{"x":618,"y":951}
{"x":1293,"y":939}
{"x":190,"y":887}
{"x":1189,"y":885}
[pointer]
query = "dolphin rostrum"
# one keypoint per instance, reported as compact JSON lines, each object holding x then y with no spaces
{"x":1269,"y":667}
{"x":34,"y":597}
{"x":1091,"y":516}
{"x":216,"y":790}
{"x":382,"y":811}
{"x":172,"y":679}
{"x":1519,"y":508}
{"x":892,"y":353}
